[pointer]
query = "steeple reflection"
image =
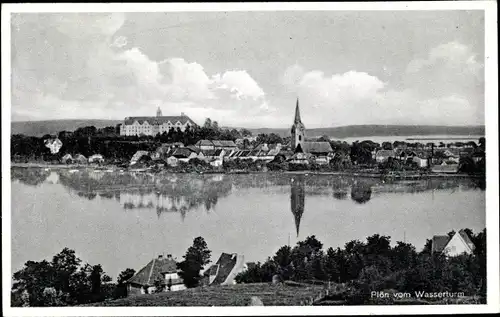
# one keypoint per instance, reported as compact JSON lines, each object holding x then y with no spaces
{"x":297,"y":199}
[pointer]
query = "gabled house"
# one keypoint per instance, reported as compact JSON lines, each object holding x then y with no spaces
{"x":458,"y":244}
{"x":225,"y":270}
{"x":184,"y":154}
{"x":67,"y":159}
{"x":96,"y":158}
{"x":301,"y":158}
{"x":205,"y":145}
{"x":228,"y":145}
{"x":80,"y":159}
{"x":159,"y":269}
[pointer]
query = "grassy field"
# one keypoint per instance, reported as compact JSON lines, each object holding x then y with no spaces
{"x":228,"y":295}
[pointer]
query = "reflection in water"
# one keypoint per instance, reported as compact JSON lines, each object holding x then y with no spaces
{"x":297,"y":198}
{"x":164,"y":193}
{"x":29,"y":176}
{"x":183,"y":193}
{"x":249,"y":220}
{"x":340,"y":194}
{"x":361,"y":192}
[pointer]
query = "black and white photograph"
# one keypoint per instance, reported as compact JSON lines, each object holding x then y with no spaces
{"x":182,"y":159}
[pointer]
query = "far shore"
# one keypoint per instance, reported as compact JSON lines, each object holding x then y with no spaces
{"x":402,"y":176}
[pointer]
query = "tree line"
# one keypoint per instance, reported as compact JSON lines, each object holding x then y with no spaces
{"x":374,"y":265}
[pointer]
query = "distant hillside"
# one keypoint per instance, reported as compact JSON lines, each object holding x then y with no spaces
{"x":39,"y":128}
{"x":381,"y":130}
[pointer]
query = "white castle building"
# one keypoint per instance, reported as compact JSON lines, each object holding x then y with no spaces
{"x":154,"y":125}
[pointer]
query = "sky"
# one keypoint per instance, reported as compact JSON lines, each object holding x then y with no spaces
{"x":247,"y":69}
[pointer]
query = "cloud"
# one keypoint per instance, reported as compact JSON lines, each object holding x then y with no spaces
{"x":239,"y":83}
{"x":448,"y":69}
{"x":292,"y":75}
{"x":186,"y":81}
{"x":82,"y":68}
{"x":445,"y":88}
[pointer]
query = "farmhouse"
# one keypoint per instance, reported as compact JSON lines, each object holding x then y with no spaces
{"x":161,"y":269}
{"x":458,"y":244}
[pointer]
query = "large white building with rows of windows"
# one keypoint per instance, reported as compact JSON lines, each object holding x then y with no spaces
{"x":154,"y":125}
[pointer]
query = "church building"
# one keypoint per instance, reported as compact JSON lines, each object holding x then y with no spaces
{"x":320,"y":150}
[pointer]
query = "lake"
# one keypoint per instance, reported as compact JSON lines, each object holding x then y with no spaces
{"x":424,"y":139}
{"x":122,"y":220}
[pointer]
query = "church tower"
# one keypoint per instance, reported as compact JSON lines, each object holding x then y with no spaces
{"x":158,"y":112}
{"x":298,"y":131}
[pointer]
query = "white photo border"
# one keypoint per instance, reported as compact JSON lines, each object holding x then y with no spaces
{"x":491,"y":127}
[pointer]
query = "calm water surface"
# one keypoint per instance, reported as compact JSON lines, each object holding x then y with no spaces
{"x":124,"y":220}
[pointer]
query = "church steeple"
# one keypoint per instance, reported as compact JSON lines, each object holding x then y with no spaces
{"x":297,"y":113}
{"x":158,"y":112}
{"x":298,"y":130}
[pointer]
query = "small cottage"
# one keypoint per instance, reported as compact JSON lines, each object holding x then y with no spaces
{"x":67,"y":159}
{"x":80,"y":159}
{"x":458,"y":244}
{"x":96,"y":158}
{"x":205,"y":145}
{"x":158,"y":269}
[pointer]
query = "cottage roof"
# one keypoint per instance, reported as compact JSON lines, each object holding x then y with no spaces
{"x":204,"y":143}
{"x":193,"y":148}
{"x":227,"y":143}
{"x":223,"y":267}
{"x":182,"y":152}
{"x":159,"y":120}
{"x":439,"y":243}
{"x":385,"y":153}
{"x":153,"y":271}
{"x":466,"y":239}
{"x":285,"y":153}
{"x":316,"y":147}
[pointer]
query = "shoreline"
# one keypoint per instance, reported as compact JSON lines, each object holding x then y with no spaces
{"x":308,"y":172}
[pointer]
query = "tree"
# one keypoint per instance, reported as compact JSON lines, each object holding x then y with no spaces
{"x":283,"y":260}
{"x":207,"y":124}
{"x":386,"y":145}
{"x":245,"y":132}
{"x":215,"y":125}
{"x":65,"y":264}
{"x":196,"y":257}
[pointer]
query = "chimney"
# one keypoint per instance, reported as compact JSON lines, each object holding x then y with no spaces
{"x":169,"y":256}
{"x":182,"y":114}
{"x":160,"y":256}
